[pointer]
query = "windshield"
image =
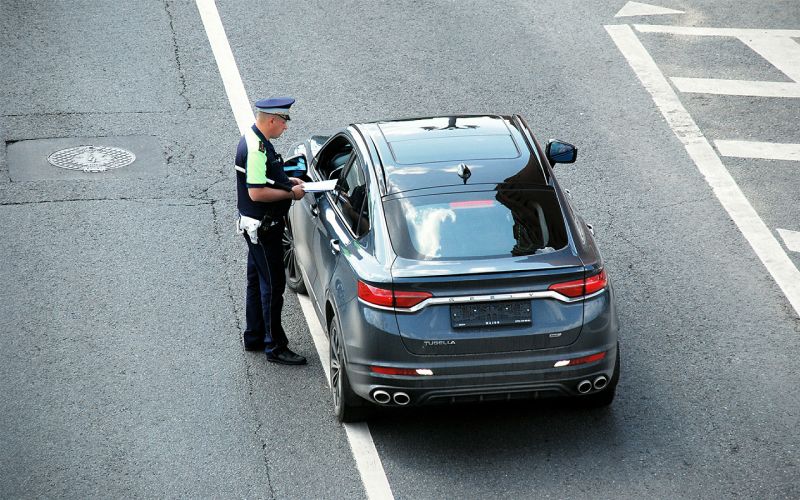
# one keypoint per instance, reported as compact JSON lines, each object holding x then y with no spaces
{"x":476,"y":225}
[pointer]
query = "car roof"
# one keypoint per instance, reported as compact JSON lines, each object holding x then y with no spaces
{"x":418,"y":153}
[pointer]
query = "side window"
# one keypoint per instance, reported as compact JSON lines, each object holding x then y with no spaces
{"x":351,"y":197}
{"x":333,"y":158}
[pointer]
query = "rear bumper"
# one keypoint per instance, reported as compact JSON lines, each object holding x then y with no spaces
{"x":479,"y":378}
{"x":455,"y":377}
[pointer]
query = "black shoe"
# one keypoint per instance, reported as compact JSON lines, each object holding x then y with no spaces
{"x":254,"y":347}
{"x":284,"y":356}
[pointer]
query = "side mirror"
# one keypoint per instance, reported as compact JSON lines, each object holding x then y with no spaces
{"x":295,"y":166}
{"x":560,"y":152}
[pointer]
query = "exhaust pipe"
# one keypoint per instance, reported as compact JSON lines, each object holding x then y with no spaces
{"x":584,"y":386}
{"x":381,"y":397}
{"x":600,"y":382}
{"x":402,"y":398}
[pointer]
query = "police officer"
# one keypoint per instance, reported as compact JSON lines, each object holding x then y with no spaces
{"x":265,"y":194}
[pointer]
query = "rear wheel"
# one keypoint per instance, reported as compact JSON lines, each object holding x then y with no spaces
{"x":606,"y":396}
{"x":294,"y":276}
{"x":347,"y":406}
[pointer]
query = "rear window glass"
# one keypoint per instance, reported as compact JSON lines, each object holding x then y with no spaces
{"x":463,"y":148}
{"x":476,"y":225}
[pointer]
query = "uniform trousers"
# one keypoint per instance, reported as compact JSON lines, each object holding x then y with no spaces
{"x":266,"y":283}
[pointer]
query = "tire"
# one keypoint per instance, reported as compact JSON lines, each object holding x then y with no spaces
{"x":606,"y":396}
{"x":347,"y":405}
{"x":294,"y":275}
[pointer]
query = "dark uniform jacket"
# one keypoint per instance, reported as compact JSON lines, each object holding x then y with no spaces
{"x":258,"y":165}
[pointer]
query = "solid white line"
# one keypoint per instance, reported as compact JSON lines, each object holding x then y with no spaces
{"x":366,"y":455}
{"x":761,"y":150}
{"x":791,"y":239}
{"x":766,"y":246}
{"x":700,"y":31}
{"x":317,"y":334}
{"x":226,"y":63}
{"x":736,"y":87}
{"x":367,"y":459}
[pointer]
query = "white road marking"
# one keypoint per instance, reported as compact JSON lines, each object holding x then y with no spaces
{"x":781,"y":51}
{"x":366,"y":456}
{"x":226,"y":63}
{"x":702,"y":31}
{"x":367,"y":459}
{"x":791,"y":239}
{"x":644,"y":9}
{"x":736,"y":87}
{"x":761,"y":150}
{"x":776,"y":46}
{"x":761,"y":239}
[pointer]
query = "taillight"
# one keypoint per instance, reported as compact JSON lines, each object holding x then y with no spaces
{"x":388,"y":298}
{"x":596,"y":283}
{"x":579,"y":288}
{"x":569,"y":288}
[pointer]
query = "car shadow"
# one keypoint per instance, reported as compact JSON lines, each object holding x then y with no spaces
{"x":519,"y":440}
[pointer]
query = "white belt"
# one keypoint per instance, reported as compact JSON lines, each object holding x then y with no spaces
{"x":250,"y":226}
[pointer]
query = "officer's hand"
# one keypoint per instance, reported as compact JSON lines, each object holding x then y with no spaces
{"x":298,"y":191}
{"x":295,"y":180}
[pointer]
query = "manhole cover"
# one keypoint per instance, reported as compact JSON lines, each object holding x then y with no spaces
{"x":91,"y":158}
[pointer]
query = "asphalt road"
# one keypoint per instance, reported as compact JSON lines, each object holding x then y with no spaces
{"x":121,"y":295}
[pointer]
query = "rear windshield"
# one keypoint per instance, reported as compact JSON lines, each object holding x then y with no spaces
{"x":503,"y":223}
{"x":448,"y":148}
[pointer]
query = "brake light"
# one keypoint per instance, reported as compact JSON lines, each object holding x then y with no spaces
{"x":388,"y":298}
{"x":471,"y":204}
{"x":581,"y":361}
{"x":579,"y":288}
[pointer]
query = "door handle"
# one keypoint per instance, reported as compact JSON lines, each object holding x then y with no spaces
{"x":335,"y":248}
{"x":314,"y":210}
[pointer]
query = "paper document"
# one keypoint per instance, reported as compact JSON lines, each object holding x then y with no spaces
{"x":316,"y":187}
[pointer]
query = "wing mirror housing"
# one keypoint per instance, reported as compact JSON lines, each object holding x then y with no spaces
{"x":296,"y":166}
{"x":560,"y":152}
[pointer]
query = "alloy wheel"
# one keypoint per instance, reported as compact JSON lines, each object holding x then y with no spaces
{"x":335,"y":367}
{"x":294,"y":276}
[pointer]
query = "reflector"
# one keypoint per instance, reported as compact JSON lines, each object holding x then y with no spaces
{"x":580,"y":361}
{"x":386,"y":370}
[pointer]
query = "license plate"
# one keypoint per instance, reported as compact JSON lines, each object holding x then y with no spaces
{"x":516,"y":312}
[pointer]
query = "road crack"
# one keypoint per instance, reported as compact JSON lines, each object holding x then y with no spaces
{"x":176,"y":51}
{"x":237,"y":314}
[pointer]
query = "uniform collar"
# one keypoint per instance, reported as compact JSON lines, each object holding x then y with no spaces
{"x":259,"y":134}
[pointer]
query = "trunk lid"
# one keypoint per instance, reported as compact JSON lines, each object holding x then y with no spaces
{"x":496,"y":308}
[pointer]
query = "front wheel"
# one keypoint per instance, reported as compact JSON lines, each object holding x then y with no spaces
{"x":294,"y":276}
{"x":347,"y":406}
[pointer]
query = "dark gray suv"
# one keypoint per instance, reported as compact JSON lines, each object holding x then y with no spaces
{"x":448,"y":266}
